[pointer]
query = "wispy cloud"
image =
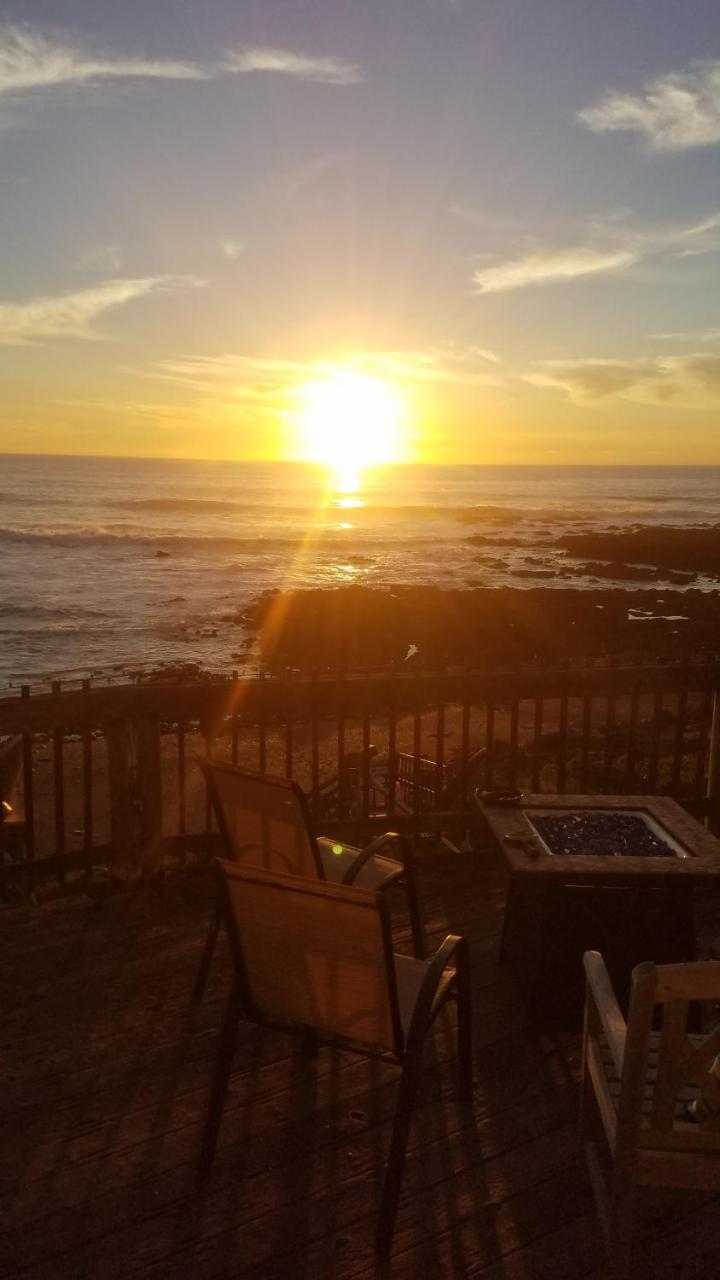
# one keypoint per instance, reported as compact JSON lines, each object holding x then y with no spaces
{"x":163,"y":415}
{"x":692,"y":335}
{"x":31,"y":60}
{"x":690,"y":381}
{"x":612,"y":246}
{"x":246,"y":377}
{"x":71,"y":315}
{"x":673,"y":112}
{"x":268,"y":381}
{"x":231,"y":249}
{"x":303,"y":66}
{"x":445,"y":362}
{"x":548,"y":266}
{"x":103,"y":258}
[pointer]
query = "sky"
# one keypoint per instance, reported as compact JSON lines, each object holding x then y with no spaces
{"x":505,"y":213}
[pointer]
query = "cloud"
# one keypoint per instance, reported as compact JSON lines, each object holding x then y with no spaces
{"x":231,"y":249}
{"x":693,"y":335}
{"x":31,"y":60}
{"x":444,"y":363}
{"x":166,"y":416}
{"x":612,"y":246}
{"x":673,"y":112}
{"x":547,"y":266}
{"x":247,"y":377}
{"x":590,"y":379}
{"x":104,"y":258}
{"x":688,"y":381}
{"x":322,"y":70}
{"x":71,"y":315}
{"x":267,"y":382}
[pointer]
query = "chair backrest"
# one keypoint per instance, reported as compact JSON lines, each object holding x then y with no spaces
{"x":313,"y":954}
{"x":264,"y":821}
{"x":685,"y":1066}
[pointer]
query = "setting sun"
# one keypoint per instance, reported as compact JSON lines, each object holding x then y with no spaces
{"x":350,"y":422}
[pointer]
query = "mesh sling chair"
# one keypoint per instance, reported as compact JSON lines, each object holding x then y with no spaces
{"x":318,"y":958}
{"x":265,"y":822}
{"x":657,"y":1092}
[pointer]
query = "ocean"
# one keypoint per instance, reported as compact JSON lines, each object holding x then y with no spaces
{"x":110,"y":566}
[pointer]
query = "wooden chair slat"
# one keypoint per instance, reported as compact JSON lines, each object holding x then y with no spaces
{"x":658,"y":1094}
{"x":673,"y":1042}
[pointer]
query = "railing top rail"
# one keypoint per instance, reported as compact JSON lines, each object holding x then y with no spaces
{"x":329,"y":694}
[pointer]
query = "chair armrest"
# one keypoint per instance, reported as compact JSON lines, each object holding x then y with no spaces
{"x":389,"y":837}
{"x":599,"y":990}
{"x":454,"y":948}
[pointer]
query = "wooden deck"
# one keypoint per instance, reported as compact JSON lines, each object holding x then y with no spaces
{"x":105,"y":1069}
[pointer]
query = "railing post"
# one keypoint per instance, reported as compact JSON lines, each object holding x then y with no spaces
{"x":713,"y":779}
{"x":135,"y":796}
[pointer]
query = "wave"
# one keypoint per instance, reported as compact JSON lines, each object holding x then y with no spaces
{"x":309,"y":511}
{"x":200,"y":505}
{"x":57,"y":631}
{"x":49,"y":612}
{"x":144,"y":538}
{"x":495,"y":512}
{"x":41,"y":498}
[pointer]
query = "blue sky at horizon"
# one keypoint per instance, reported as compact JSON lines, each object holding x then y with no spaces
{"x":509,"y":211}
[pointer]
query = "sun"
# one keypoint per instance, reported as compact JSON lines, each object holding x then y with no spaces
{"x":350,"y":422}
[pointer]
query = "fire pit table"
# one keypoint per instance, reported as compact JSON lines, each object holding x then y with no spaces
{"x":612,"y":873}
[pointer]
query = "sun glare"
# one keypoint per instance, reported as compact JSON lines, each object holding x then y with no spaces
{"x":350,"y":422}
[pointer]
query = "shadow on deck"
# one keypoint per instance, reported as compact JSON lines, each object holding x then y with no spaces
{"x":106,"y":1069}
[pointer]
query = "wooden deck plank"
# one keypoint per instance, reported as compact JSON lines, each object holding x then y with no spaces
{"x":299,"y":1157}
{"x":106,"y":1069}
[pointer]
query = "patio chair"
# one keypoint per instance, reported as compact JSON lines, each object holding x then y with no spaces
{"x":657,"y":1092}
{"x":265,"y":822}
{"x":317,"y":958}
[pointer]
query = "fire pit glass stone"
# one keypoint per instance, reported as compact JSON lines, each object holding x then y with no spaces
{"x":605,"y":833}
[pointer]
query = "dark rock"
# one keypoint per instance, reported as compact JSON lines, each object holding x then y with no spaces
{"x":696,"y":549}
{"x":617,"y":572}
{"x":360,"y":626}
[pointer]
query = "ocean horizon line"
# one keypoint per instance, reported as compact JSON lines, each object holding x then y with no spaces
{"x":607,"y":467}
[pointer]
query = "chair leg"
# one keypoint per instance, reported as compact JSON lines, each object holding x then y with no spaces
{"x":311,"y":1042}
{"x":228,"y":1036}
{"x":463,"y":999}
{"x":398,"y":1147}
{"x":621,"y":1222}
{"x":587,"y":1102}
{"x":207,"y":955}
{"x":620,"y":1251}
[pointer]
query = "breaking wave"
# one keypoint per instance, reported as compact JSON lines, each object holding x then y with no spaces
{"x":200,"y":505}
{"x":99,"y":537}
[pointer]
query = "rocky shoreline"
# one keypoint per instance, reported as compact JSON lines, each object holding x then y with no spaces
{"x":412,"y":626}
{"x":673,"y":614}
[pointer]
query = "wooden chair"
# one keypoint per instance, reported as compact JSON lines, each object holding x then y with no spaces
{"x":317,"y":958}
{"x":656,"y":1091}
{"x":265,"y":822}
